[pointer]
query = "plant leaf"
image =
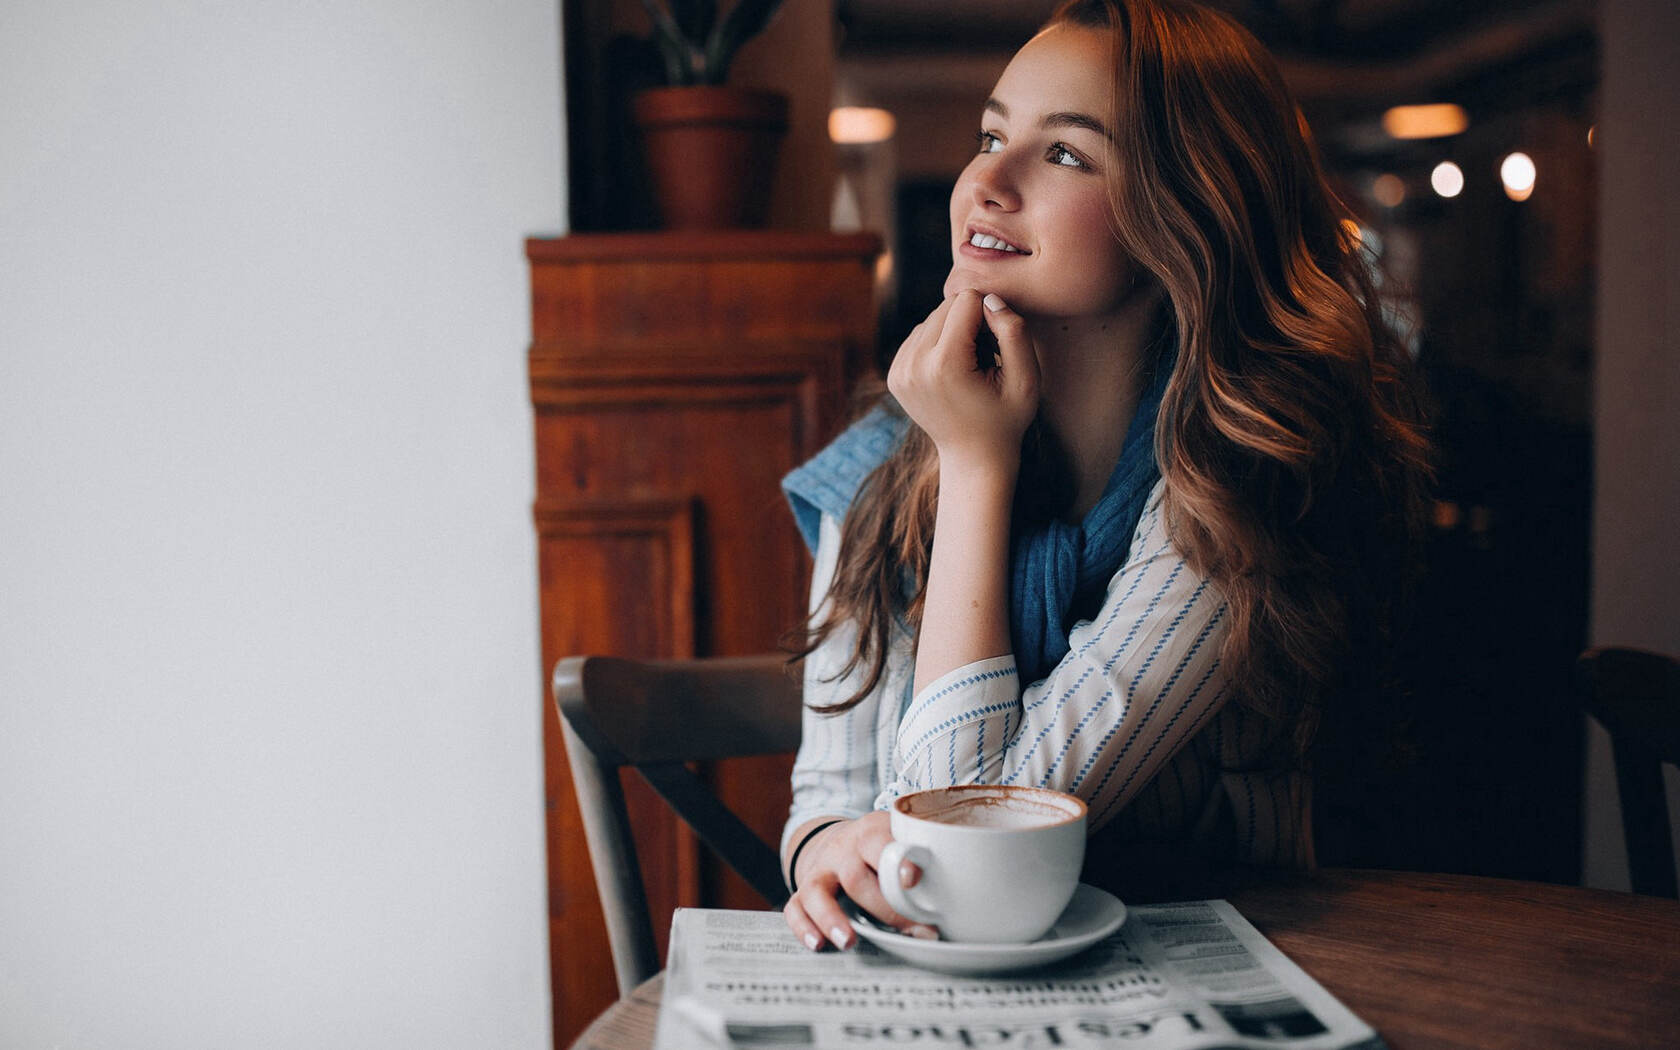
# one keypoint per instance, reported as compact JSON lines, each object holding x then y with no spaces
{"x":674,"y":48}
{"x":697,"y":17}
{"x":745,"y":20}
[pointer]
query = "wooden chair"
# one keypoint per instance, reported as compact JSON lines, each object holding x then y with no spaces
{"x":656,"y":716}
{"x":1636,"y":695}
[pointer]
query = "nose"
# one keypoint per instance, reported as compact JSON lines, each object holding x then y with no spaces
{"x":994,"y":184}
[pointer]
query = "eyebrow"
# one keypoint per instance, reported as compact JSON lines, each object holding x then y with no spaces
{"x":1061,"y":119}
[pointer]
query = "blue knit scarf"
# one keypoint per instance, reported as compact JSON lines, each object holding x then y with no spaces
{"x":1057,"y":570}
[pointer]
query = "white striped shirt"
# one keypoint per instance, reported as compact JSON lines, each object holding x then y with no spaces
{"x":1134,"y":720}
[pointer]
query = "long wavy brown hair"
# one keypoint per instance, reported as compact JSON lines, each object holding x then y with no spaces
{"x":1290,"y":437}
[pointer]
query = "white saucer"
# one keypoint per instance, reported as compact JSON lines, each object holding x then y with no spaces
{"x":1090,"y":916}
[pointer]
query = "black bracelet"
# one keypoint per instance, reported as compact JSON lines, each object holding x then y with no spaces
{"x":793,"y":862}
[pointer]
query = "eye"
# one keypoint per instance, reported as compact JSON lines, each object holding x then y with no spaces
{"x":989,"y":143}
{"x":1063,"y":157}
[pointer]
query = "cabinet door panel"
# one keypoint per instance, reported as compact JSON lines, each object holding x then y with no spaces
{"x":616,"y":578}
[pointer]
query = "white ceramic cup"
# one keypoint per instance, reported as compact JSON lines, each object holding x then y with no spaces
{"x":999,"y":863}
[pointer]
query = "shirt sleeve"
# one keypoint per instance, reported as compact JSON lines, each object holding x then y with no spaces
{"x":1137,"y":683}
{"x":836,"y":772}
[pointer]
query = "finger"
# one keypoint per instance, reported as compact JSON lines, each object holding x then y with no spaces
{"x":1014,"y":347}
{"x":801,"y":925}
{"x":865,"y":891}
{"x":1016,"y":353}
{"x":826,"y":915}
{"x":962,"y":320}
{"x":873,"y":834}
{"x":873,"y":839}
{"x":935,"y":319}
{"x":933,"y":328}
{"x":922,"y":338}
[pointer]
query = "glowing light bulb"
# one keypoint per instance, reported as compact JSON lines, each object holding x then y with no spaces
{"x":1517,"y":172}
{"x":1447,"y":179}
{"x":1432,"y":121}
{"x":1388,"y":190}
{"x":858,"y":125}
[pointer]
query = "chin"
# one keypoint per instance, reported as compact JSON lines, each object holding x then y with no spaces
{"x":962,"y":278}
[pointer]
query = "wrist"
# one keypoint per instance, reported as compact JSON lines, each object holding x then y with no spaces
{"x":804,"y":841}
{"x":980,"y":473}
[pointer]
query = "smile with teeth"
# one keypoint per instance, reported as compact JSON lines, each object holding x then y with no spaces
{"x":986,"y":240}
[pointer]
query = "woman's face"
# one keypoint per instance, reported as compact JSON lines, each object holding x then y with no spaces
{"x":1029,"y":215}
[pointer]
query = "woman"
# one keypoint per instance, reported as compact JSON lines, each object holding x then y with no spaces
{"x":1134,"y":553}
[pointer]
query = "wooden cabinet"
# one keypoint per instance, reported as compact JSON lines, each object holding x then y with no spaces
{"x":674,"y":379}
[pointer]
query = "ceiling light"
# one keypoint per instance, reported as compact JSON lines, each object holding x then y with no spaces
{"x":1518,"y":174}
{"x":857,"y":125}
{"x":1432,"y":121}
{"x":1447,"y":179}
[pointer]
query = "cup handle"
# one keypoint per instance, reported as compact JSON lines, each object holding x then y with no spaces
{"x":900,"y":898}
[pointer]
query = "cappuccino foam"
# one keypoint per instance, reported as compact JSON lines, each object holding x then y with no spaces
{"x":998,"y":811}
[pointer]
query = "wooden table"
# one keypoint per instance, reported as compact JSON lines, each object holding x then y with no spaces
{"x":1435,"y":962}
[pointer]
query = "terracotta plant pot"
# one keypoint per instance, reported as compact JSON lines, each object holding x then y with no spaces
{"x":711,"y":152}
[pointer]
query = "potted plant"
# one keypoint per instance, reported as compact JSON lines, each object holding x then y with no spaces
{"x":711,"y":148}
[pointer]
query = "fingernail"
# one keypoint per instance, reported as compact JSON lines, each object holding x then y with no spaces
{"x":812,"y":941}
{"x":908,"y":876}
{"x":840,"y":936}
{"x":923,"y":933}
{"x":993,"y":303}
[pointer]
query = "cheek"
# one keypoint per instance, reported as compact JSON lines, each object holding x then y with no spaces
{"x":1084,"y":223}
{"x":959,"y":213}
{"x":961,"y":195}
{"x":961,"y":277}
{"x":1097,"y":271}
{"x":1122,"y":271}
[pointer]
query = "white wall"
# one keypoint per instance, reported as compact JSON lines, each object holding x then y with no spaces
{"x":1636,"y":512}
{"x":269,"y":686}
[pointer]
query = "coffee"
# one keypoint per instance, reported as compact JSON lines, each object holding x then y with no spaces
{"x":996,"y":811}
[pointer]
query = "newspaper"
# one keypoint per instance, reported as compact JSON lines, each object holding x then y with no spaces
{"x":1194,"y":975}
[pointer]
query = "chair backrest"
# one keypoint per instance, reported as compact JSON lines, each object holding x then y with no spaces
{"x":1636,"y":696}
{"x":655,"y":716}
